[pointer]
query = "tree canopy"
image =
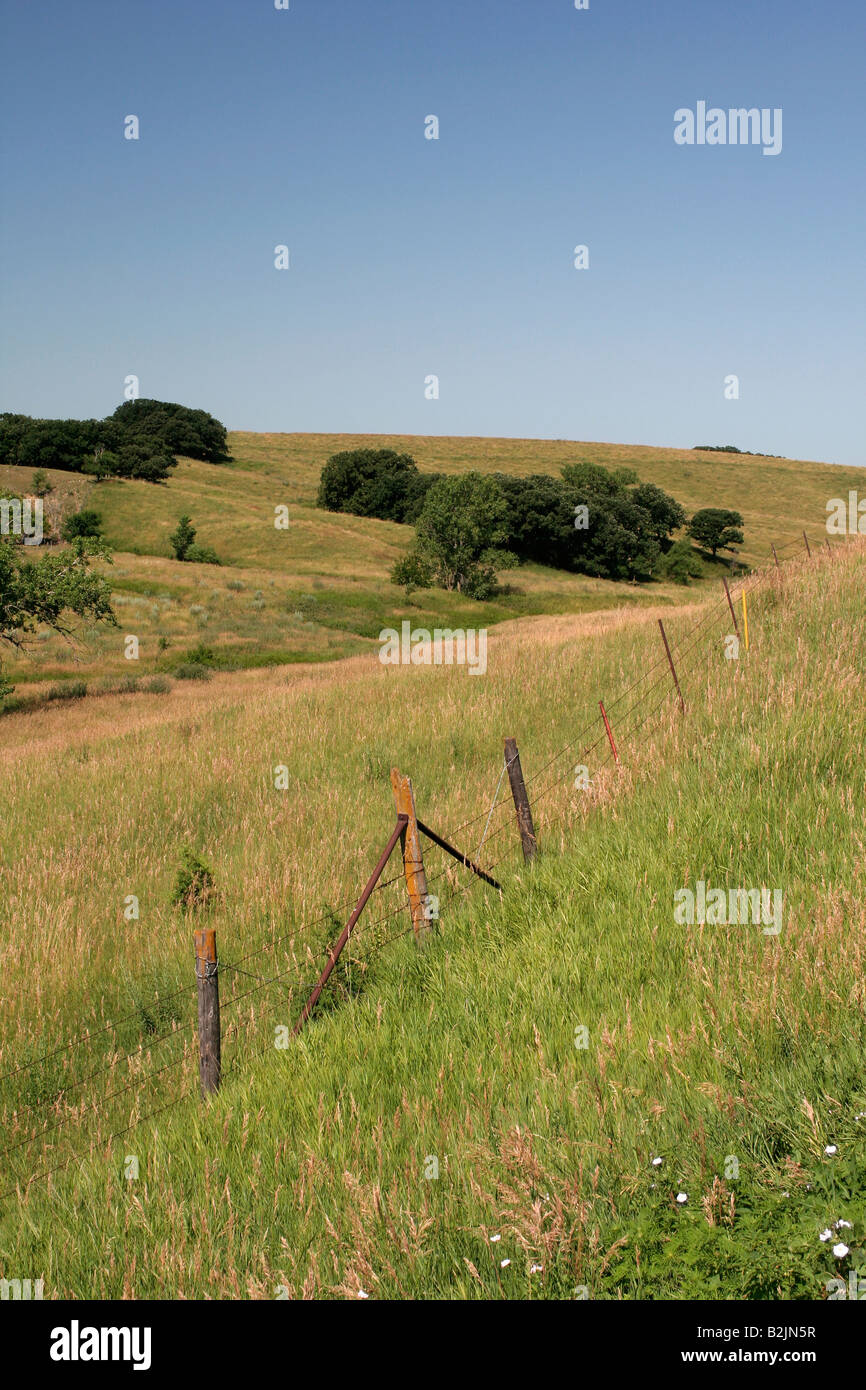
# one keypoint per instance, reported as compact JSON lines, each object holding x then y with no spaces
{"x":140,"y":440}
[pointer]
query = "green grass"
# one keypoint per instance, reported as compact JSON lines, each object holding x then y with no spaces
{"x":307,"y":1172}
{"x":336,"y":568}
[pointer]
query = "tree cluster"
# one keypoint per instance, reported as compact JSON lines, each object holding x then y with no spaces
{"x":140,"y":440}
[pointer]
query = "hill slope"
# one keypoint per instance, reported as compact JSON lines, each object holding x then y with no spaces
{"x":320,"y":590}
{"x":732,"y":1054}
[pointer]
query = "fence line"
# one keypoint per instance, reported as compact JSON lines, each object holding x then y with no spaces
{"x":412,"y":862}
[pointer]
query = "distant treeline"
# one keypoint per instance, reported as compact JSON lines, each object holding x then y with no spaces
{"x":140,"y":440}
{"x":732,"y":449}
{"x":589,"y":520}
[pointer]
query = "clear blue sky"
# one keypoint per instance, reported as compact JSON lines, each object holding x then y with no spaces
{"x":454,"y":257}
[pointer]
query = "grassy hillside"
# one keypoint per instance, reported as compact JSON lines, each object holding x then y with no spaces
{"x":311,"y":1172}
{"x":320,"y":590}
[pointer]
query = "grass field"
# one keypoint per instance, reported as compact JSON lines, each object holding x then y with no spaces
{"x":319,"y":590}
{"x":312,"y":1173}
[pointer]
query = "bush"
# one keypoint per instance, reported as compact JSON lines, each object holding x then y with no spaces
{"x":192,"y":671}
{"x":202,"y":655}
{"x":412,"y":572}
{"x":202,"y":555}
{"x":157,"y":685}
{"x":193,"y":886}
{"x":84,"y":523}
{"x":681,"y":564}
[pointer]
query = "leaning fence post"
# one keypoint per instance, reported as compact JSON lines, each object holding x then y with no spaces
{"x":808,"y":547}
{"x":609,"y":731}
{"x":731,"y":606}
{"x":207,"y":977}
{"x":671,"y":664}
{"x":521,"y":801}
{"x":413,"y":859}
{"x":775,"y":556}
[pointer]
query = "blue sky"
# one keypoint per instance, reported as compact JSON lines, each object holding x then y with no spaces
{"x":454,"y":257}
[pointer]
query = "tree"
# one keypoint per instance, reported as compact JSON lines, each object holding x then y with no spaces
{"x":181,"y":539}
{"x":461,"y":531}
{"x":41,"y":484}
{"x":44,"y":591}
{"x":716,"y":529}
{"x":666,"y":514}
{"x":371,"y":482}
{"x":168,"y":429}
{"x":86,"y":523}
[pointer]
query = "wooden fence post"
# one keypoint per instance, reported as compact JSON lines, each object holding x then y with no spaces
{"x":775,"y":556}
{"x":413,"y":860}
{"x":207,"y":977}
{"x":808,"y":547}
{"x":610,"y":737}
{"x":731,"y":606}
{"x":673,"y":668}
{"x":521,"y":801}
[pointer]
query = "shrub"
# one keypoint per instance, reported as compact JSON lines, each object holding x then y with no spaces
{"x":157,"y":685}
{"x":84,"y":523}
{"x":193,"y":886}
{"x":681,"y":564}
{"x":412,"y":572}
{"x":202,"y":555}
{"x":192,"y":671}
{"x":202,"y":655}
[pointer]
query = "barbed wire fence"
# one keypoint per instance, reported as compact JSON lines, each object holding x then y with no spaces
{"x":55,"y":1110}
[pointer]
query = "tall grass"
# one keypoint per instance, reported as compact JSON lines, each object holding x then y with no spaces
{"x":312,"y":1172}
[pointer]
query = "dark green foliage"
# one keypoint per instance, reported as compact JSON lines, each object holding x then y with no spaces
{"x":666,"y":514}
{"x":540,"y":519}
{"x":194,"y":884}
{"x":591,"y":520}
{"x":140,"y":440}
{"x":182,"y":538}
{"x":716,"y":528}
{"x":84,"y":523}
{"x":166,"y":428}
{"x":374,"y":482}
{"x":41,"y":484}
{"x":680,"y":564}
